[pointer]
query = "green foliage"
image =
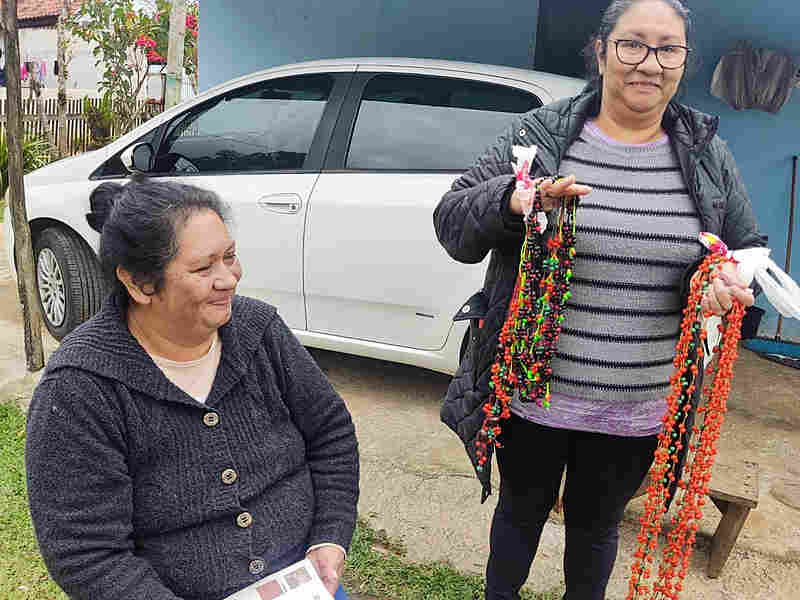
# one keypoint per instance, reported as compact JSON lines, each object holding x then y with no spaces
{"x":377,"y":566}
{"x":77,"y":143}
{"x":36,"y":153}
{"x":23,"y":575}
{"x":160,"y":35}
{"x":100,"y":118}
{"x":113,"y":26}
{"x":126,"y":41}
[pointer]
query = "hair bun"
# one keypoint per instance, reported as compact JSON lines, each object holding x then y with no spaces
{"x":101,"y":201}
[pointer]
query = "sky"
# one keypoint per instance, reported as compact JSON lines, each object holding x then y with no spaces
{"x":146,"y":5}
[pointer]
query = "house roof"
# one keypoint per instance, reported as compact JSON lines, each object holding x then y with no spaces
{"x":41,"y":13}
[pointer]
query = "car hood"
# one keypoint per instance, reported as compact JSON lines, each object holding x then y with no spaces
{"x":74,"y":168}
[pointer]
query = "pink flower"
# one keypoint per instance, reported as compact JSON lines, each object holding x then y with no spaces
{"x":155,"y":57}
{"x":145,"y":42}
{"x":191,"y":21}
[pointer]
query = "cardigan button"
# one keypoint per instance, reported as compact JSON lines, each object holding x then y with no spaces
{"x":229,"y":476}
{"x":244,"y":520}
{"x":211,"y":419}
{"x":256,"y":566}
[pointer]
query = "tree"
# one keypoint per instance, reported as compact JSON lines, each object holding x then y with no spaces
{"x":23,"y":248}
{"x":161,"y":33}
{"x":64,"y":56}
{"x":175,"y":46}
{"x":127,"y":41}
{"x":117,"y":31}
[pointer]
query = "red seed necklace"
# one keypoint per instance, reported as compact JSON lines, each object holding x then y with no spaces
{"x":692,"y":486}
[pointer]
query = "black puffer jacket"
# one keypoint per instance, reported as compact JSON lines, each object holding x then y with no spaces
{"x":473,"y":219}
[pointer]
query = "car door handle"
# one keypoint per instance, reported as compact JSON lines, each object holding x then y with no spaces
{"x":282,"y":203}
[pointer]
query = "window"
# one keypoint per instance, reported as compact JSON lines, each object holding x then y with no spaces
{"x":266,"y":127}
{"x":415,"y":122}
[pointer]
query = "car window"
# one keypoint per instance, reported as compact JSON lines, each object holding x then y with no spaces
{"x":265,"y":127}
{"x":412,"y":122}
{"x":114,"y":167}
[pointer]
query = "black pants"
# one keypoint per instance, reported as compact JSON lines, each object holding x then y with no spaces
{"x":603,"y":473}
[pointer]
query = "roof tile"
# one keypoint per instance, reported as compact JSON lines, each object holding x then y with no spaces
{"x":36,"y":9}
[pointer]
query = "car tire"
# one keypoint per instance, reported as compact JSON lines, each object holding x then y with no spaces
{"x":69,"y":282}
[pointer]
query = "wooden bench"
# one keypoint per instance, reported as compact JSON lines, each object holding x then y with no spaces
{"x":734,"y":491}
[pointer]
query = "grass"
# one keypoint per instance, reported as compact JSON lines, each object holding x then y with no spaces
{"x":23,"y":575}
{"x":376,"y":565}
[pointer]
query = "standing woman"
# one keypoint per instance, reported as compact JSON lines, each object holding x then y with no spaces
{"x":653,"y":174}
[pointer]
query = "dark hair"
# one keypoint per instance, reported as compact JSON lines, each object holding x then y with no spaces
{"x":139,"y":225}
{"x":608,"y":22}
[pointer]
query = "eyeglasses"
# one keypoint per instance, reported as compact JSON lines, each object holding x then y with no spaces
{"x":634,"y":52}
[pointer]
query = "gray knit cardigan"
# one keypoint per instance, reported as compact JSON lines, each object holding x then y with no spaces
{"x":136,"y":492}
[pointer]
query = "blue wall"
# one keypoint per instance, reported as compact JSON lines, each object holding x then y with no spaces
{"x":762,"y":143}
{"x":248,"y":35}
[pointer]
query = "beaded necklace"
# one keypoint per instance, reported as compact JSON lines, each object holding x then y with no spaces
{"x":692,"y":486}
{"x":527,"y":341}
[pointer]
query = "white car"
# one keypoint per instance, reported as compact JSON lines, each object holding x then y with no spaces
{"x":333,"y":169}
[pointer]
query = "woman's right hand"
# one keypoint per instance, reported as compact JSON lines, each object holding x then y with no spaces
{"x":552,"y":193}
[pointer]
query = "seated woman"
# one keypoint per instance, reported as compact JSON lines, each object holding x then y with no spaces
{"x":182,"y":443}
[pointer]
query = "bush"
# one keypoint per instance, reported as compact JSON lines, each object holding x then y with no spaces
{"x":100,"y":118}
{"x":35,"y":154}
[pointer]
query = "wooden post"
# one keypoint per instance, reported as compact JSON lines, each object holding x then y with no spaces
{"x":177,"y":33}
{"x":61,"y":57}
{"x":23,"y":249}
{"x":733,"y":518}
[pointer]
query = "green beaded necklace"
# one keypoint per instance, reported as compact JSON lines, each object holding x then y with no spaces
{"x":527,"y":341}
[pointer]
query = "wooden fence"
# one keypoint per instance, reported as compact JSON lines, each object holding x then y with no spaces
{"x":78,"y":137}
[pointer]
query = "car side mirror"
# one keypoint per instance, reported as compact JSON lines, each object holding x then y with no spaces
{"x":138,"y":158}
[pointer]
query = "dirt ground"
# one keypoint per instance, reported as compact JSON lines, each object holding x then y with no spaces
{"x":417,"y":484}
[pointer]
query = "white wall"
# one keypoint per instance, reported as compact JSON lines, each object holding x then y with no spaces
{"x":40,"y":44}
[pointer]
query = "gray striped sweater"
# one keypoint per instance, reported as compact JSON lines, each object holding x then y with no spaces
{"x":637,"y":233}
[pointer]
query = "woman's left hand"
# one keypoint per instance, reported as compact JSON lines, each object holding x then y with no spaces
{"x":329,"y":563}
{"x":724,"y":289}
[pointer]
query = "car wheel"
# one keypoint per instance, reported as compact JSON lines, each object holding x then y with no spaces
{"x":70,"y":284}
